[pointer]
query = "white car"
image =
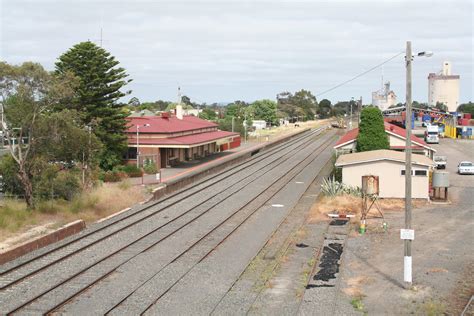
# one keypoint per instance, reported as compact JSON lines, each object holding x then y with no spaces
{"x":466,"y":167}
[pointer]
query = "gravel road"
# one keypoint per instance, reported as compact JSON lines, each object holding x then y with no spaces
{"x":443,"y":253}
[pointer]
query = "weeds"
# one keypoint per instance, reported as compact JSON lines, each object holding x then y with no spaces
{"x":432,"y":308}
{"x":358,"y":305}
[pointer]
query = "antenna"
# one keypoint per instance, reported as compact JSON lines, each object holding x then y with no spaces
{"x":382,"y":86}
{"x":100,"y":36}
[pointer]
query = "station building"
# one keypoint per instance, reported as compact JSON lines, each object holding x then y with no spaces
{"x":169,"y":139}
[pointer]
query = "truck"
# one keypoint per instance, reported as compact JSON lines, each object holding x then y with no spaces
{"x":432,"y":134}
{"x":440,"y":161}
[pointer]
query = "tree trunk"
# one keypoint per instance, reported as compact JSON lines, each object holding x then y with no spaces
{"x":27,"y":187}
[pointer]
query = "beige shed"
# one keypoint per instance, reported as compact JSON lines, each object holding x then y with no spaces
{"x":389,"y":166}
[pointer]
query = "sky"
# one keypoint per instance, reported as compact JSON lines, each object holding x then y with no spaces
{"x":221,"y":51}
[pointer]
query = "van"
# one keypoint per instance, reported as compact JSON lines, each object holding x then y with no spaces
{"x":432,"y":134}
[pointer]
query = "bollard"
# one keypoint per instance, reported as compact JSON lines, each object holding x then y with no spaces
{"x":362,"y":227}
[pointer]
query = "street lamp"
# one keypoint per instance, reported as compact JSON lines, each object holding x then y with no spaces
{"x":407,"y":259}
{"x":138,"y":143}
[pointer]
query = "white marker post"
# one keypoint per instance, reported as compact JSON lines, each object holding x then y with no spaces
{"x":407,"y":235}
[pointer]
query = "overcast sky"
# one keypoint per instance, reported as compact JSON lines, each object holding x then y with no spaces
{"x":220,"y":51}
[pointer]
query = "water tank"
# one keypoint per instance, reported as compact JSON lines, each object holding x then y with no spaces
{"x":440,"y":179}
{"x":370,"y":185}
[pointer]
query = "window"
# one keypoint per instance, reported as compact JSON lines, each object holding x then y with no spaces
{"x":420,"y":173}
{"x":415,"y":172}
{"x":131,"y":153}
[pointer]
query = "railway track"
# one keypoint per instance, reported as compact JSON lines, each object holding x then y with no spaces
{"x":51,"y":279}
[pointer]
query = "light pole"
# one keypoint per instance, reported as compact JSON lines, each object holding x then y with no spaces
{"x":138,"y":143}
{"x":407,"y":259}
{"x":232,"y":124}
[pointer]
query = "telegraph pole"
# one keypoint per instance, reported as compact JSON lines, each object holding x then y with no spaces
{"x":407,"y":259}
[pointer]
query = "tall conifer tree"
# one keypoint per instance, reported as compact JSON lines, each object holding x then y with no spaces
{"x":372,"y":134}
{"x":97,"y":96}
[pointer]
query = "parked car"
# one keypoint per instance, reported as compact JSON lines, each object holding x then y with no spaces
{"x":466,"y":167}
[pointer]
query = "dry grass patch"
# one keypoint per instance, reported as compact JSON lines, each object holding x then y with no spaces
{"x":89,"y":206}
{"x":349,"y":204}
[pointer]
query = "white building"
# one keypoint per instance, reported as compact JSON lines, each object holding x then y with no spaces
{"x":444,"y":88}
{"x":384,"y":98}
{"x":389,"y":167}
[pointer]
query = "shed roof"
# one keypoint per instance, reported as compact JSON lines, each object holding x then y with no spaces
{"x":382,"y":154}
{"x":166,"y":125}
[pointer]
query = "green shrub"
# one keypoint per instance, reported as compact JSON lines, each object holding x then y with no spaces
{"x":67,"y":185}
{"x":9,"y":171}
{"x":131,"y":170}
{"x":150,"y":168}
{"x":53,"y":183}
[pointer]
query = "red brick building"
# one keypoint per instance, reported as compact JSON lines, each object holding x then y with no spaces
{"x":167,"y":140}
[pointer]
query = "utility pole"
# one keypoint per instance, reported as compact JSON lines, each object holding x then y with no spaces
{"x":407,"y":259}
{"x":138,"y":150}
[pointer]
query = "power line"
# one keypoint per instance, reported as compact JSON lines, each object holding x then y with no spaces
{"x":359,"y":75}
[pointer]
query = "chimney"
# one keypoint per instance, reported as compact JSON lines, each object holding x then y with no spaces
{"x":179,"y":111}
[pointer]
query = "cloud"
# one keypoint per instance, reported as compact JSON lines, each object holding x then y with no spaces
{"x":226,"y":50}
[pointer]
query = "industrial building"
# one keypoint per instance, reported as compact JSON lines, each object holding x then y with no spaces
{"x":169,"y":139}
{"x":384,"y":98}
{"x":443,"y":87}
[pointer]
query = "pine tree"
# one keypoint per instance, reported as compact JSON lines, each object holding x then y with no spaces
{"x":97,"y":95}
{"x":372,"y":134}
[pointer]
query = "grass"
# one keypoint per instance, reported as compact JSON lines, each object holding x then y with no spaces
{"x":90,"y":206}
{"x":358,"y":305}
{"x":432,"y":308}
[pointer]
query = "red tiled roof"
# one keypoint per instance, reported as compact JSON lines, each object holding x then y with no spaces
{"x":183,"y":140}
{"x":162,"y":125}
{"x":351,"y":135}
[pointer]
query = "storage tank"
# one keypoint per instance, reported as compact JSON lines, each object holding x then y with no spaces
{"x":440,"y":179}
{"x":370,"y":185}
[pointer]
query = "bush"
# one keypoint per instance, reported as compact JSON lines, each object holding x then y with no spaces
{"x":150,"y":168}
{"x":67,"y":185}
{"x":9,"y":171}
{"x":131,"y":170}
{"x":114,"y":176}
{"x":55,"y":183}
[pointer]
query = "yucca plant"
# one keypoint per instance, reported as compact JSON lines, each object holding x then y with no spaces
{"x":331,"y":187}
